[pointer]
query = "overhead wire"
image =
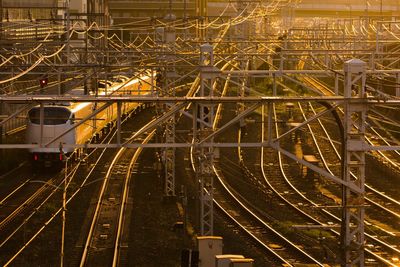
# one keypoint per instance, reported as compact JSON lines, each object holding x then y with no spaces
{"x":43,"y":58}
{"x":6,"y":60}
{"x":35,"y":64}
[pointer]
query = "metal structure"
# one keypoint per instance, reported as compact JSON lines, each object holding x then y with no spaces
{"x":354,"y":164}
{"x":242,"y":34}
{"x":203,"y":126}
{"x":165,"y":49}
{"x":201,"y":14}
{"x":169,"y":90}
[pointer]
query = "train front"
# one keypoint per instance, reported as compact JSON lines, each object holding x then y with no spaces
{"x":56,"y":121}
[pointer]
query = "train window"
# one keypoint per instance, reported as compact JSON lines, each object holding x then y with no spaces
{"x":52,"y":115}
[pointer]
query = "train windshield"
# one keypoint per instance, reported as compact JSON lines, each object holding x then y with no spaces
{"x":52,"y":115}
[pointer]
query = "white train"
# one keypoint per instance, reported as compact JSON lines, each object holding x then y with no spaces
{"x":58,"y":118}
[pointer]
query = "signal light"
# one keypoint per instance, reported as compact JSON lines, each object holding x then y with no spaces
{"x":61,"y":156}
{"x":35,"y":157}
{"x":43,"y":82}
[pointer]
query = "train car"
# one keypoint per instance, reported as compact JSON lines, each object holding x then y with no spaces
{"x":60,"y":117}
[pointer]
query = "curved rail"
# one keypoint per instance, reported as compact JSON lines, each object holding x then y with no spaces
{"x":252,"y":214}
{"x":338,"y":219}
{"x":100,"y":197}
{"x":377,"y":256}
{"x":117,"y":246}
{"x":109,"y":135}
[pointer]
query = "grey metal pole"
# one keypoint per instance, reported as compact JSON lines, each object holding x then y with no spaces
{"x":64,"y":210}
{"x":1,"y":19}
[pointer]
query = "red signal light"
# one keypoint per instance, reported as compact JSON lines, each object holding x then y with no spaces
{"x":35,"y":157}
{"x":43,"y":82}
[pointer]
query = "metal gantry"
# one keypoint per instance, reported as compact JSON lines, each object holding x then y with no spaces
{"x":242,"y":34}
{"x":202,"y":127}
{"x":201,"y":13}
{"x":353,"y":169}
{"x":169,"y":152}
{"x":164,"y":55}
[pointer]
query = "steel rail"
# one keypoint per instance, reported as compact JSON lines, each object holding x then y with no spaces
{"x":13,"y":192}
{"x":117,"y":245}
{"x":387,"y":245}
{"x":377,"y":256}
{"x":248,"y":210}
{"x":367,"y":186}
{"x":55,"y":214}
{"x":370,"y":201}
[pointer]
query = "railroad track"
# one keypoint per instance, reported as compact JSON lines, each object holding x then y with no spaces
{"x":47,"y":196}
{"x":245,"y":217}
{"x":381,"y":199}
{"x":258,"y":228}
{"x":302,"y":204}
{"x":20,"y":212}
{"x":103,"y":246}
{"x":372,"y":239}
{"x":98,"y":246}
{"x":274,"y":176}
{"x":374,"y":242}
{"x":376,"y":255}
{"x":10,"y":173}
{"x":376,"y":138}
{"x":15,"y":209}
{"x":391,"y":157}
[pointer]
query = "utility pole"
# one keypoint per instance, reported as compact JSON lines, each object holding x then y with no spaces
{"x":184,"y":10}
{"x":242,"y":35}
{"x":353,"y":169}
{"x":64,"y":211}
{"x":169,"y":90}
{"x":2,"y":164}
{"x":201,"y":14}
{"x":1,"y":19}
{"x":185,"y":17}
{"x":204,"y":118}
